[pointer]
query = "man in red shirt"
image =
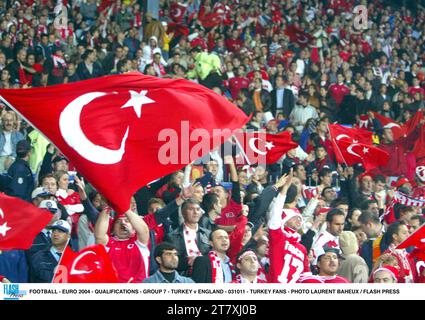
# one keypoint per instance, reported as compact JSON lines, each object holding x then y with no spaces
{"x":328,"y":264}
{"x":338,"y":90}
{"x":235,"y":43}
{"x":288,"y":257}
{"x":127,"y":246}
{"x":240,"y":81}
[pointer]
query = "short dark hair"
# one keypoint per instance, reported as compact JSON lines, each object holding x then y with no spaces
{"x":368,"y":216}
{"x":324,"y":171}
{"x":332,"y":213}
{"x":365,"y":204}
{"x":338,"y":202}
{"x":418,"y":217}
{"x":380,"y":178}
{"x":163,"y":246}
{"x":291,"y":194}
{"x":210,"y":237}
{"x":208,"y":201}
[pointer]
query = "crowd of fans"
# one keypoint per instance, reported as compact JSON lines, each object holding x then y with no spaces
{"x":304,"y":219}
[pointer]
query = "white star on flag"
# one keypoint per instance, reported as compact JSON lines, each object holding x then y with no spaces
{"x":269,"y":145}
{"x":4,"y":229}
{"x":365,"y":150}
{"x":137,"y":100}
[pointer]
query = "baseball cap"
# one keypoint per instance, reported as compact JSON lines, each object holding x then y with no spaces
{"x":40,"y":192}
{"x":49,"y":205}
{"x":23,"y":146}
{"x":61,"y":225}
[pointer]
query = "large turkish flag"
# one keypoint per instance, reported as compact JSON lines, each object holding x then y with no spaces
{"x":124,"y":131}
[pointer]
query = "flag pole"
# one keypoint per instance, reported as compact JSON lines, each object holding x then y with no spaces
{"x":242,"y":150}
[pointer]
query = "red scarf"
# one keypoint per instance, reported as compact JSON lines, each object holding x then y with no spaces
{"x":57,"y":60}
{"x":217,"y":268}
{"x":23,"y":77}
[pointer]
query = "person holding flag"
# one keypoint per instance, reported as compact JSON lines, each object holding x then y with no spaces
{"x":127,"y":245}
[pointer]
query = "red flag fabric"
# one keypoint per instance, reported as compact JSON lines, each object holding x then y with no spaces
{"x":355,"y":146}
{"x":263,"y":148}
{"x":124,"y":131}
{"x":416,"y":239}
{"x":20,"y":222}
{"x":298,"y":36}
{"x":90,"y":265}
{"x":397,"y":129}
{"x":177,"y":11}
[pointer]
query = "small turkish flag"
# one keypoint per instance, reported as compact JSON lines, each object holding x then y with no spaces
{"x":177,"y":11}
{"x":353,"y":146}
{"x":124,"y":131}
{"x":416,"y":239}
{"x":298,"y":36}
{"x":20,"y":222}
{"x":90,"y":265}
{"x":397,"y":129}
{"x":261,"y":148}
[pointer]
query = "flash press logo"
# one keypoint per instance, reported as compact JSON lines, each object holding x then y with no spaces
{"x":12,"y":292}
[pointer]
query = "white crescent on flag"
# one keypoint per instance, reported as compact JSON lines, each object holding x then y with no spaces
{"x":253,"y":147}
{"x":72,"y":133}
{"x":76,"y":271}
{"x":350,"y":149}
{"x":340,"y":136}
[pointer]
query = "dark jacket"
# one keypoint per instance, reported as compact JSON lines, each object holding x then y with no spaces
{"x":265,"y":98}
{"x":177,"y":238}
{"x":84,"y":73}
{"x":13,"y":265}
{"x":42,"y":266}
{"x":40,"y":243}
{"x":20,"y":181}
{"x":288,"y":102}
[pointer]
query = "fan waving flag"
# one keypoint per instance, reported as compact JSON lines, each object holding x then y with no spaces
{"x":20,"y":222}
{"x":90,"y":265}
{"x":353,"y":146}
{"x":397,"y":129}
{"x":261,"y":148}
{"x":124,"y":131}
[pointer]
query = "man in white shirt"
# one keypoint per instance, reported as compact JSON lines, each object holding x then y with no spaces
{"x":302,"y":112}
{"x":9,"y":137}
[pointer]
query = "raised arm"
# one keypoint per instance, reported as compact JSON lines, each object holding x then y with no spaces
{"x":284,"y":182}
{"x":101,"y":227}
{"x":142,"y":230}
